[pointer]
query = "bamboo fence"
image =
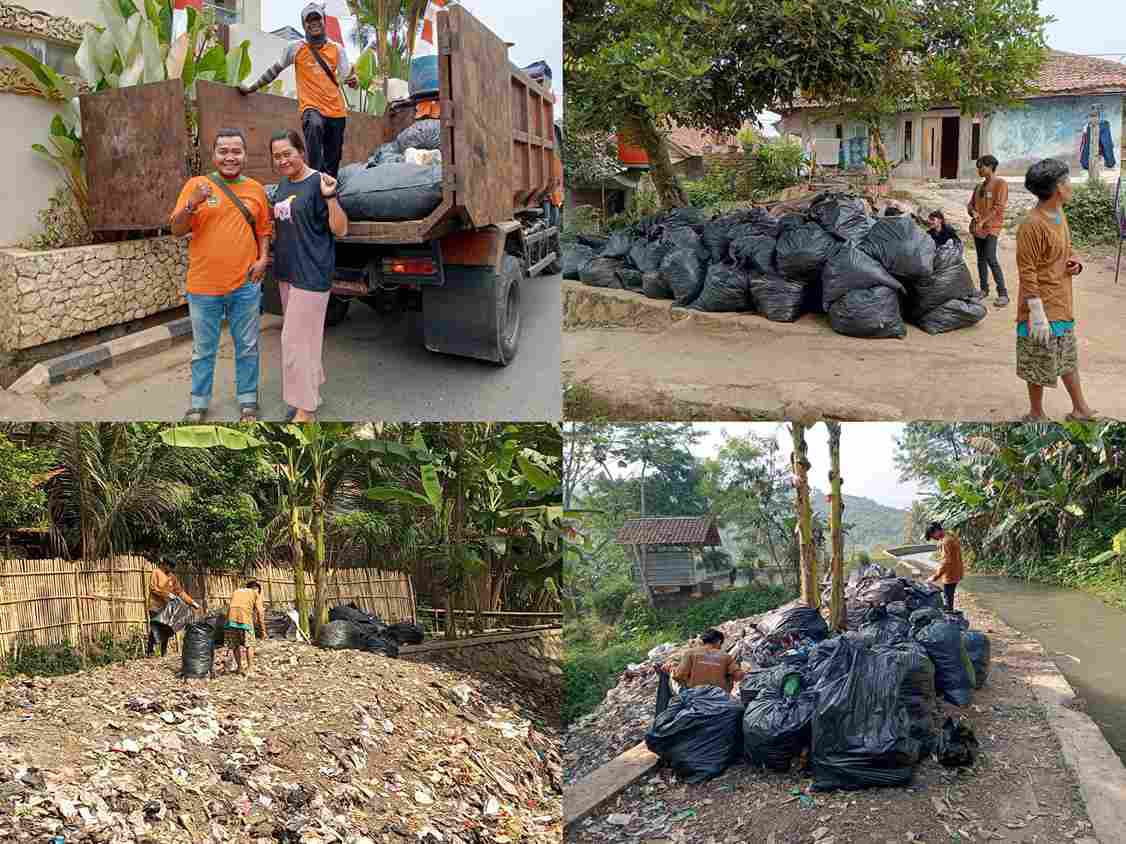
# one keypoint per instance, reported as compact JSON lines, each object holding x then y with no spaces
{"x":46,"y":602}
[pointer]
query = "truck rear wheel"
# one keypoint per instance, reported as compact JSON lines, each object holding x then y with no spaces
{"x":476,"y":313}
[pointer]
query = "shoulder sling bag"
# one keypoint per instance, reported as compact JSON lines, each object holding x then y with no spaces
{"x":246,"y":215}
{"x":324,"y":65}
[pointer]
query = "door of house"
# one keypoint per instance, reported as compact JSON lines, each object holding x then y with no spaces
{"x":932,"y":148}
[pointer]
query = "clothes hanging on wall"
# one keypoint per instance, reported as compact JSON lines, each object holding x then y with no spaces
{"x":1106,"y":146}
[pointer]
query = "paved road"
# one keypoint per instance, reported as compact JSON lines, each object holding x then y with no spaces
{"x":377,"y":369}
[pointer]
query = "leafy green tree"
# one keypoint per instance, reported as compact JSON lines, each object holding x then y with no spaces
{"x":23,"y":501}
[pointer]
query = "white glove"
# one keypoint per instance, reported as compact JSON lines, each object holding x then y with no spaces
{"x":1038,"y":327}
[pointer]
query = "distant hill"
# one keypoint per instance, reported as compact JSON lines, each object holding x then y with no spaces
{"x":872,"y":523}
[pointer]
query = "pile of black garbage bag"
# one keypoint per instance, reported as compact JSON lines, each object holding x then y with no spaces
{"x":862,"y":704}
{"x":351,"y":628}
{"x":866,"y":273}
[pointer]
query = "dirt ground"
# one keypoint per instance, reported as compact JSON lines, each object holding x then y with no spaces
{"x":628,"y":357}
{"x":316,"y":747}
{"x":1018,"y":792}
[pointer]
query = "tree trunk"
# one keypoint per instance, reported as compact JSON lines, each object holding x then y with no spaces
{"x":642,"y":132}
{"x":319,"y":608}
{"x":808,"y":553}
{"x":299,"y":581}
{"x":838,"y":619}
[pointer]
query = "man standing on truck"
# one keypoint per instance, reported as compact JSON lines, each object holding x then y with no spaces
{"x":320,"y":67}
{"x":951,"y":570}
{"x":228,"y":217}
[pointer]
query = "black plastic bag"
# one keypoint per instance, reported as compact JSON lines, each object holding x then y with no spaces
{"x":406,"y":633}
{"x":917,"y":690}
{"x":760,"y":679}
{"x":956,"y":617}
{"x":422,"y":134}
{"x":777,"y":298}
{"x":953,"y":671}
{"x":646,"y":257}
{"x":862,"y":734}
{"x":904,"y":249}
{"x":618,"y":245}
{"x":685,"y":215}
{"x":217,"y":621}
{"x":796,"y":620}
{"x":350,"y":612}
{"x":593,"y":241}
{"x":664,"y":693}
{"x":977,"y":646}
{"x":601,"y":272}
{"x":883,"y":629}
{"x":877,"y":593}
{"x":175,"y":614}
{"x":654,"y":286}
{"x":851,"y":269}
{"x":759,"y":222}
{"x":777,"y":727}
{"x":789,"y":222}
{"x":700,"y":734}
{"x":376,"y":644}
{"x":899,"y":608}
{"x":684,"y":238}
{"x":337,"y":635}
{"x":386,"y":154}
{"x":833,"y":658}
{"x":844,"y":217}
{"x":868,"y":313}
{"x":575,"y":257}
{"x":726,"y":288}
{"x":716,"y":238}
{"x":923,"y":595}
{"x":957,"y":745}
{"x":629,"y":279}
{"x":924,"y":616}
{"x":754,"y":252}
{"x":949,"y":280}
{"x":392,"y":192}
{"x":343,"y":177}
{"x":683,"y":272}
{"x":952,"y":316}
{"x":802,"y":251}
{"x":198,"y":657}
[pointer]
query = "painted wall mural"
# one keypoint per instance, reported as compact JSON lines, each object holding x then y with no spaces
{"x":1049,"y":128}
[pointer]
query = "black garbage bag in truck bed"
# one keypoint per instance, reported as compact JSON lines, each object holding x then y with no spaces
{"x":392,"y":192}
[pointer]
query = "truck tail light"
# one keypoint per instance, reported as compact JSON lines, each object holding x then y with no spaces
{"x":409,"y":266}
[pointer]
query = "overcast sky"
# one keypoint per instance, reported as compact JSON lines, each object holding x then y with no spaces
{"x":534,"y":26}
{"x":1087,"y":26}
{"x":867,"y":449}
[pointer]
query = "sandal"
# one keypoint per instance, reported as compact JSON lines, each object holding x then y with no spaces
{"x":195,"y":415}
{"x":1093,"y":416}
{"x":1028,"y":417}
{"x":248,"y":413}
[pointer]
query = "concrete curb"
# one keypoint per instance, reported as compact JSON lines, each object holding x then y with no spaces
{"x":103,"y":356}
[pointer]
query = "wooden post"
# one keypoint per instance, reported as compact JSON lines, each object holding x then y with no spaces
{"x":1095,"y":162}
{"x":79,"y":641}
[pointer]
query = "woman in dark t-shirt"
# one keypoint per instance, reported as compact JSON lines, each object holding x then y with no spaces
{"x":307,"y":220}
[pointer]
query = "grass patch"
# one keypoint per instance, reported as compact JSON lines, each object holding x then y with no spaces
{"x":56,"y":660}
{"x":581,"y":402}
{"x":596,"y":653}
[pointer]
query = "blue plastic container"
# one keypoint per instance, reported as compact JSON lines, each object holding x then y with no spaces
{"x":424,"y":76}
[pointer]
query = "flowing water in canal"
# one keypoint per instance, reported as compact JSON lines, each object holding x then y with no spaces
{"x":1084,"y":636}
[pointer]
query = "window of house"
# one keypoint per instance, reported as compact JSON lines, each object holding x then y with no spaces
{"x":839,"y":134}
{"x":226,"y":11}
{"x":908,"y":141}
{"x":58,"y":57}
{"x":975,"y":142}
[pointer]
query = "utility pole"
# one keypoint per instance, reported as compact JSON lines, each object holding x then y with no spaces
{"x":1095,"y":168}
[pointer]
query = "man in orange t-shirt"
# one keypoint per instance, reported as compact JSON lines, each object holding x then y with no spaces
{"x":319,"y":99}
{"x":987,"y":218}
{"x":227,"y":260}
{"x":952,"y":569}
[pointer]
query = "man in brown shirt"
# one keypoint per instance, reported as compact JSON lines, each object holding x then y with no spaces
{"x":707,"y":665}
{"x":987,"y":218}
{"x":163,"y":586}
{"x":1046,"y":344}
{"x":245,"y":613}
{"x":952,"y":569}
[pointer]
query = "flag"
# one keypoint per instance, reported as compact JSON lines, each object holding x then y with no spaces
{"x":332,"y":30}
{"x":183,"y":4}
{"x":430,"y":21}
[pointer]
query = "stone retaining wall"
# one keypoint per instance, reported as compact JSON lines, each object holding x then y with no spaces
{"x":534,"y":656}
{"x":60,"y":293}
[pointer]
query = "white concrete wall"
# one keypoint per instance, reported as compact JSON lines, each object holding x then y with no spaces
{"x":265,"y":49}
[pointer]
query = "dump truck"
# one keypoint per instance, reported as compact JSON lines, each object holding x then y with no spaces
{"x":462,"y":266}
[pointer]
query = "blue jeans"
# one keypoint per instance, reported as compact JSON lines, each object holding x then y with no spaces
{"x":242,"y":310}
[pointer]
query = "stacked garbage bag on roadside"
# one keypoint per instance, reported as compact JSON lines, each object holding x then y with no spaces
{"x":350,"y":627}
{"x":401,"y":180}
{"x":867,"y":273}
{"x":858,"y":707}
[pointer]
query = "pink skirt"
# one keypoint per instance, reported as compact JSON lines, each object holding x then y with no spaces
{"x":303,"y":334}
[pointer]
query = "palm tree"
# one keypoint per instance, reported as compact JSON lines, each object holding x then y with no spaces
{"x":113,"y":483}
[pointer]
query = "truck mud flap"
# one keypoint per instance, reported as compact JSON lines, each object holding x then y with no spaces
{"x":476,"y":314}
{"x":271,"y":296}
